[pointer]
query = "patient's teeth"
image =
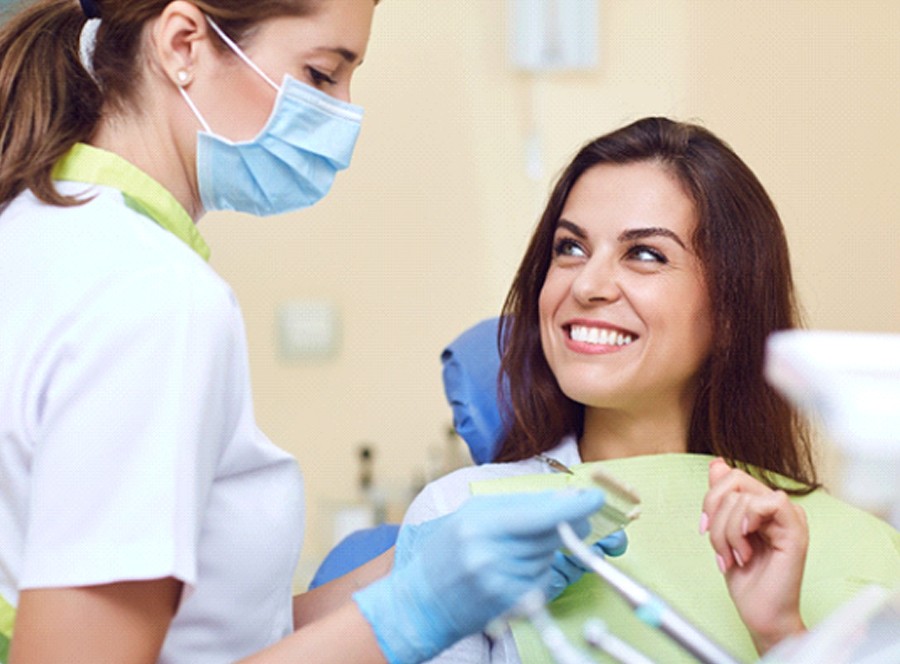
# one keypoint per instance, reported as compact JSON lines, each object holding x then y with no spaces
{"x":599,"y":336}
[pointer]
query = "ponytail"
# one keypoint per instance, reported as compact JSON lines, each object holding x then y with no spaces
{"x":48,"y":101}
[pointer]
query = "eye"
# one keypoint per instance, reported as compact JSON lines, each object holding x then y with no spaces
{"x":319,"y":77}
{"x":568,"y":247}
{"x":646,"y":254}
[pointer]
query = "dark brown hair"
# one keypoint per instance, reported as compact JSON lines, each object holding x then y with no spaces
{"x":741,"y":245}
{"x":48,"y":101}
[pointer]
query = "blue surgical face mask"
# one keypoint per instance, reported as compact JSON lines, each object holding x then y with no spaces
{"x":291,"y":163}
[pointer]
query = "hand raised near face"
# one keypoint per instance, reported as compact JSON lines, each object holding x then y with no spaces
{"x":760,"y":539}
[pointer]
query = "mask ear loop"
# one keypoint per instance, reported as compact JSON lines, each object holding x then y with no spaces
{"x":240,"y":53}
{"x":183,"y":79}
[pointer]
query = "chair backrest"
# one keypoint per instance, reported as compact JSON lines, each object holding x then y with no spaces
{"x":471,"y":366}
{"x":355,"y":549}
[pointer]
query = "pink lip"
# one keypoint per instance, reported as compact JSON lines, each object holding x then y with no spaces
{"x":594,"y":349}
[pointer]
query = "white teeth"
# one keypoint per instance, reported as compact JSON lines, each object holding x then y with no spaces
{"x":598,"y":336}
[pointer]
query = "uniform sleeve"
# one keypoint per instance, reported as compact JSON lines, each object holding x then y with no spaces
{"x":139,"y":393}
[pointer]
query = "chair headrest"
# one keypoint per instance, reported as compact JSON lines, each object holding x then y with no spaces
{"x":471,"y":366}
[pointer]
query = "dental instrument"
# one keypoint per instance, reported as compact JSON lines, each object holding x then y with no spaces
{"x":622,"y":505}
{"x":597,"y":634}
{"x":554,"y":464}
{"x":532,"y":607}
{"x":650,"y":608}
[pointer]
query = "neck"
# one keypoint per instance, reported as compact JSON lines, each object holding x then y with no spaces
{"x":152,"y":147}
{"x":614,"y":434}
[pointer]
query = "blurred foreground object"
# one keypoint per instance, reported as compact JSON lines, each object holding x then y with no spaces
{"x":850,"y":383}
{"x":862,"y":631}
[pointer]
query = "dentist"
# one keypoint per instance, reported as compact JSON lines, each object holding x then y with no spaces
{"x":144,"y":517}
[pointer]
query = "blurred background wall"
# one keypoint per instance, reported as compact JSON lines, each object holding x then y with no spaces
{"x":420,"y":238}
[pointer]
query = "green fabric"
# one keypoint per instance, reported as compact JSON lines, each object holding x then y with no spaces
{"x":849,"y":549}
{"x":90,"y":165}
{"x":7,"y":619}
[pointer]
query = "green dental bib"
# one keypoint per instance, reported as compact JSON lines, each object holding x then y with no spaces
{"x":849,"y":549}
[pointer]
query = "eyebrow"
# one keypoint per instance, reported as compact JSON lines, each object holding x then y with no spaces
{"x":626,"y":236}
{"x":574,"y":229}
{"x":345,"y":53}
{"x":641,"y":233}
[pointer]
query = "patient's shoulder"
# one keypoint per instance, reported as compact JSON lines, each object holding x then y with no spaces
{"x":446,"y":494}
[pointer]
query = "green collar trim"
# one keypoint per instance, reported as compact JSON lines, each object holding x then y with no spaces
{"x":7,"y":620}
{"x":90,"y":165}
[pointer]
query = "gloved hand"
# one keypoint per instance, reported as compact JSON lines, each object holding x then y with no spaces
{"x":455,"y":574}
{"x":567,"y":569}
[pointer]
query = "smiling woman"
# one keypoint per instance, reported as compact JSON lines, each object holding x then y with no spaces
{"x":633,"y":342}
{"x":679,"y":219}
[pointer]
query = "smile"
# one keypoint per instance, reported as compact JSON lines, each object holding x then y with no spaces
{"x":599,"y":336}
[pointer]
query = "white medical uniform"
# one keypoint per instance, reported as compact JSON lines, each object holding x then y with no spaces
{"x":128,"y":445}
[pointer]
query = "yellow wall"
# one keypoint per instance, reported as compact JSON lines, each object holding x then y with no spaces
{"x":421,"y":236}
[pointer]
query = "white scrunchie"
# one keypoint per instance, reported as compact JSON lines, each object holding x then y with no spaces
{"x":86,"y":44}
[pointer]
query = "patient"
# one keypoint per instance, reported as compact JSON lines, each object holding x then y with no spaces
{"x":634,"y":336}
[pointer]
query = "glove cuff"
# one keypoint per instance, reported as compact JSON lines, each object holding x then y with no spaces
{"x":404,"y":629}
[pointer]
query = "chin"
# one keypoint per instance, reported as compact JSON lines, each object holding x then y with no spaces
{"x":605,"y":398}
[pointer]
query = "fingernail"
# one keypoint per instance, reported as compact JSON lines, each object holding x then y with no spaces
{"x":737,"y":557}
{"x":704,"y":522}
{"x":745,"y":526}
{"x":720,"y":561}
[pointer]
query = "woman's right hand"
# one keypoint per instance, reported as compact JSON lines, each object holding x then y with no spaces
{"x":455,"y":574}
{"x":760,"y":538}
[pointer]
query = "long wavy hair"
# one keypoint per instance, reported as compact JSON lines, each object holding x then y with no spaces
{"x":741,"y":245}
{"x":48,"y":100}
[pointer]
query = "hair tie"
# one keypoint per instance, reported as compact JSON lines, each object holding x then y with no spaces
{"x":90,"y":8}
{"x":86,"y":45}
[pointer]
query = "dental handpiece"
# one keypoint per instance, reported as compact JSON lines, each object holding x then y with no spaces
{"x":648,"y":607}
{"x":533,"y":607}
{"x":598,"y":636}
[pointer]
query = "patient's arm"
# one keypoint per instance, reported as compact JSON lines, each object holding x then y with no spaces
{"x":323,"y":600}
{"x":760,"y":538}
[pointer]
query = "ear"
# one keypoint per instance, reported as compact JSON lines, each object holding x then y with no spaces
{"x":180,"y":41}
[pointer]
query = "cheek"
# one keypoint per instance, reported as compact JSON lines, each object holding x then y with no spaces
{"x":548,"y":303}
{"x":545,"y":310}
{"x":240,"y":103}
{"x":699,"y":327}
{"x":549,"y":300}
{"x":554,"y":290}
{"x":545,"y":317}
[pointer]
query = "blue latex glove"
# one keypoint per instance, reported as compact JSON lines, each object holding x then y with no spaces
{"x":455,"y":574}
{"x":568,"y":569}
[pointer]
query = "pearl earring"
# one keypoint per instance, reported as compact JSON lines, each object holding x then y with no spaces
{"x":183,"y":77}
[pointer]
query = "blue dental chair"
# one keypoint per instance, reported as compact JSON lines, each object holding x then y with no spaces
{"x":471,"y":364}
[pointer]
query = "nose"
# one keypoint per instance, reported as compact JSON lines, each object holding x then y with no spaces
{"x":342,"y":93}
{"x":596,"y":281}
